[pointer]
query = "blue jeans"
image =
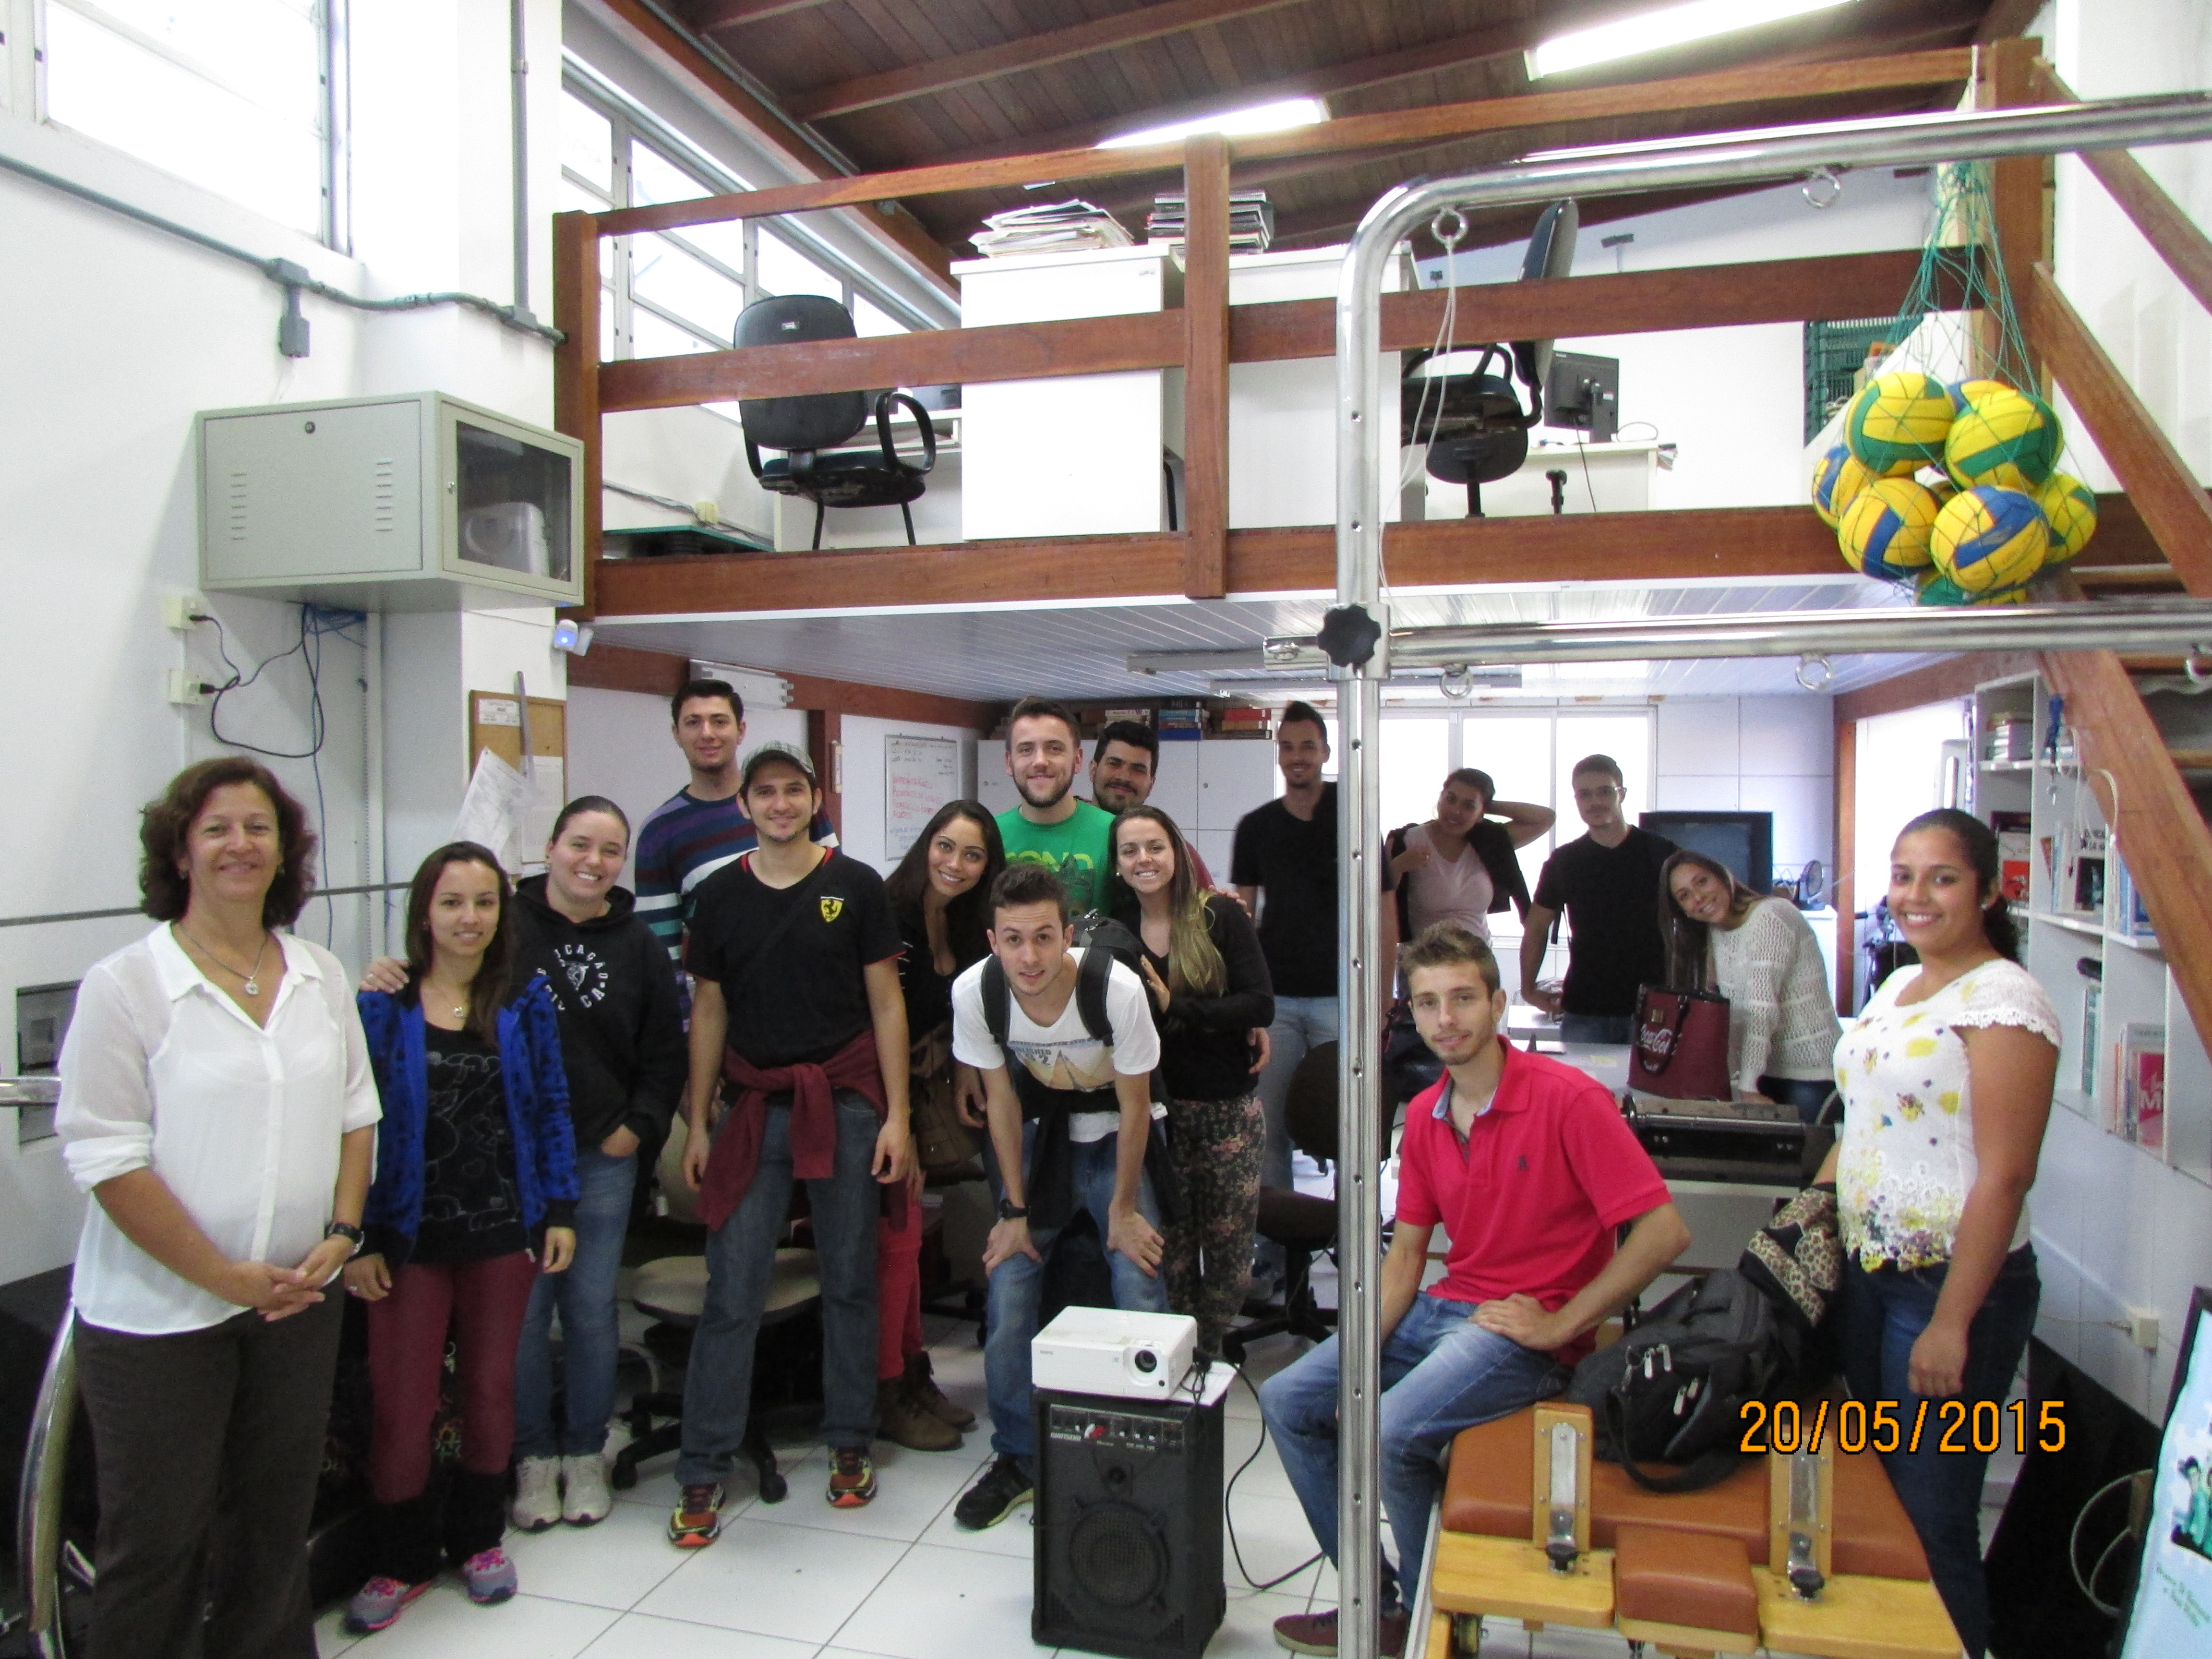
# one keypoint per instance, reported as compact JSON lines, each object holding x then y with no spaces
{"x":1302,"y":1024}
{"x":1441,"y":1372}
{"x":741,"y":1259}
{"x":591,"y":1335}
{"x":1614,"y":1028}
{"x":1883,"y":1314}
{"x":1018,"y":1284}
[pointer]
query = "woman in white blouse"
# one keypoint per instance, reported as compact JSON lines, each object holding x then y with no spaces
{"x":1760,"y":955}
{"x":1947,"y":1081}
{"x":217,"y":1104}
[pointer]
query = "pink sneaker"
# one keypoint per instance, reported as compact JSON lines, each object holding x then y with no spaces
{"x":489,"y":1575}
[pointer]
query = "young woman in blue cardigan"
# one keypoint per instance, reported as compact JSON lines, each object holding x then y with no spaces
{"x":475,"y":1195}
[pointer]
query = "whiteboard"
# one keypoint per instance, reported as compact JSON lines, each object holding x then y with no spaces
{"x":920,"y":775}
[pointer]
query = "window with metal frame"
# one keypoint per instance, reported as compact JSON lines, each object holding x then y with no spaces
{"x":241,"y":99}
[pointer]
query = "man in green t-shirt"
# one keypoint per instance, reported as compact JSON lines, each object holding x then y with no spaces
{"x":1051,"y":826}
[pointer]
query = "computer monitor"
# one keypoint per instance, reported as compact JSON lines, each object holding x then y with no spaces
{"x":1744,"y":841}
{"x":1584,"y":392}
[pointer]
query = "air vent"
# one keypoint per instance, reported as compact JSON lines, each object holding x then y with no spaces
{"x":238,"y":500}
{"x":383,"y":491}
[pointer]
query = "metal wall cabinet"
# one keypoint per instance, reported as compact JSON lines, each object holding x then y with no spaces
{"x":388,"y":503}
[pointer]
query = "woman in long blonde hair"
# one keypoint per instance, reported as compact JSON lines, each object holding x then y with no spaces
{"x":1210,"y":989}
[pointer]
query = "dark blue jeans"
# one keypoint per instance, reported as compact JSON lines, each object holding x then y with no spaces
{"x":591,"y":1335}
{"x":1883,"y":1314}
{"x":1596,"y":1028}
{"x":740,"y":1262}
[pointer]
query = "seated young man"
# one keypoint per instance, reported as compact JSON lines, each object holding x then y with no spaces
{"x":1528,"y":1167}
{"x":1070,"y":1120}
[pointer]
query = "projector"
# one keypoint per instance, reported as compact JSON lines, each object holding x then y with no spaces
{"x":1135,"y":1355}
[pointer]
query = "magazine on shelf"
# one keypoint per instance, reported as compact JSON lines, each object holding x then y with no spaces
{"x":2092,"y":1002}
{"x":2012,"y":830}
{"x":2130,"y":919}
{"x":2142,"y":1091}
{"x":1071,"y":226}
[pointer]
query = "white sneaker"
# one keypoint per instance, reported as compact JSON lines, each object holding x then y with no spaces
{"x":585,"y":1479}
{"x":537,"y":1493}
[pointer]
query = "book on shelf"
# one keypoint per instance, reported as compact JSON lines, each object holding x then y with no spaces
{"x":1071,"y":226}
{"x":2139,"y":1096}
{"x":2012,"y":738}
{"x":2093,"y":1003}
{"x":2130,"y":919}
{"x":2012,"y":829}
{"x":1251,"y":219}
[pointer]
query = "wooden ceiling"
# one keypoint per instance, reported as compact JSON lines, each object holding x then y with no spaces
{"x":898,"y":84}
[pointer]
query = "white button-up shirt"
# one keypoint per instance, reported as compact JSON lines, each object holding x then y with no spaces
{"x":161,"y":1070}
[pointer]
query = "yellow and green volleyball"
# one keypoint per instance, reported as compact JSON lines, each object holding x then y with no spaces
{"x":1987,"y":539}
{"x":1933,"y":588}
{"x":2069,"y":507}
{"x":1884,"y":530}
{"x":1836,"y":480}
{"x":1897,"y":422}
{"x":2004,"y":438}
{"x":1963,"y":392}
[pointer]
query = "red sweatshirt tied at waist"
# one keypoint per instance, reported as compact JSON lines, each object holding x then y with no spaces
{"x":735,"y":1155}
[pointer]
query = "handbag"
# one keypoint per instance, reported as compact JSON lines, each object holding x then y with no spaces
{"x":941,"y":1141}
{"x":1679,"y":1047}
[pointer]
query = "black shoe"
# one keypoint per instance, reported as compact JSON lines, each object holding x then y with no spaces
{"x":1002,"y":1490}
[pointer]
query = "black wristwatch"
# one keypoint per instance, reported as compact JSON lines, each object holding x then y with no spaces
{"x":1011,"y":1211}
{"x":346,"y":1230}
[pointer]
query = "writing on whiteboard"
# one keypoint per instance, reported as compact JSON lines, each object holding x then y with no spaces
{"x":920,"y":775}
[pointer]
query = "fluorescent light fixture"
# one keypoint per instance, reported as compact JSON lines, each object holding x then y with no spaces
{"x":1261,"y":118}
{"x":1653,"y":31}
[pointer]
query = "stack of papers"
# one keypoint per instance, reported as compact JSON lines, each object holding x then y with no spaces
{"x":1051,"y":227}
{"x":1251,"y":221}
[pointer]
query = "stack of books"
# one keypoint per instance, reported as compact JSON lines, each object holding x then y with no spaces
{"x":1240,"y":720}
{"x":1251,"y":219}
{"x":1049,"y":227}
{"x":1182,"y":724}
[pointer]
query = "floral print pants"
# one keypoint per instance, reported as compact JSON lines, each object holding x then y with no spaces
{"x":1216,"y":1147}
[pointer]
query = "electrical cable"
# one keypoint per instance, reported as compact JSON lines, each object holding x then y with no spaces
{"x":1229,"y":1490}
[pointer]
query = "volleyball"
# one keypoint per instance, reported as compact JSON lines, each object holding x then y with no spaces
{"x":1934,"y":587}
{"x":1987,"y":539}
{"x":1884,"y":530}
{"x":1963,"y":392}
{"x":2070,"y":508}
{"x":1836,"y":480}
{"x":2004,"y":438}
{"x":1897,"y":422}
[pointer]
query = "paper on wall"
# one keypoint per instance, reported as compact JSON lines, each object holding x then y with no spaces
{"x":492,"y":809}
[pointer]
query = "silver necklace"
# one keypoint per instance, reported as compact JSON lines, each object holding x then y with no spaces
{"x":252,"y":986}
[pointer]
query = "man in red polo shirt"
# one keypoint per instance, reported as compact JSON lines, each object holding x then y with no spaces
{"x":1527,"y":1166}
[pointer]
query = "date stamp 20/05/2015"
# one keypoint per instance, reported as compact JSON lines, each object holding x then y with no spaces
{"x":1888,"y":1425}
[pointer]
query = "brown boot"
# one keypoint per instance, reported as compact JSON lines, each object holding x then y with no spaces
{"x":900,"y":1420}
{"x":919,"y":1379}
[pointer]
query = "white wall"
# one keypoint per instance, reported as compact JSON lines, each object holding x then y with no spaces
{"x":1754,"y":755}
{"x":862,"y":834}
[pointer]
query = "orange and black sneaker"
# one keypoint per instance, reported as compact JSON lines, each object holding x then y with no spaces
{"x":852,"y":1478}
{"x":697,"y":1521}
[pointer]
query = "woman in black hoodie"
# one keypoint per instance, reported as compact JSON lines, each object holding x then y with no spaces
{"x":623,"y":1047}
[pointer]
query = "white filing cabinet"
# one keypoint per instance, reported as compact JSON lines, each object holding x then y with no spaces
{"x":1075,"y":455}
{"x":1235,"y":774}
{"x":1175,"y":782}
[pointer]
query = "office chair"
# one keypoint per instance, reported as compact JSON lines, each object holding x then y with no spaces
{"x":810,"y":428}
{"x":1472,"y":421}
{"x":1302,"y":1223}
{"x":672,"y":1290}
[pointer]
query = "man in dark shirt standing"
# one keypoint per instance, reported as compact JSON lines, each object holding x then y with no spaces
{"x":1608,"y":882}
{"x":1283,"y":865}
{"x":795,"y":953}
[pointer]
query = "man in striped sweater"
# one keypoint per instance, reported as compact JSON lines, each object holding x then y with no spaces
{"x":703,"y":826}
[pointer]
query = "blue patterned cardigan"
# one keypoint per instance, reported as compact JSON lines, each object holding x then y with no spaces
{"x":537,"y":1090}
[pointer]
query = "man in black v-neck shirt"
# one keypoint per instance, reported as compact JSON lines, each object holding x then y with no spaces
{"x":1608,"y":882}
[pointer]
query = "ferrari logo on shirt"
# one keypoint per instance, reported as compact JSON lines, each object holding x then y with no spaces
{"x":831,"y":909}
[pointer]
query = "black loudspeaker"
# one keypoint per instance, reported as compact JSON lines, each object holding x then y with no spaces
{"x":1128,"y":1525}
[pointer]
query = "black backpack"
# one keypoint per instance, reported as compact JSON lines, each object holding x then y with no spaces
{"x":1673,"y":1387}
{"x":1103,"y":942}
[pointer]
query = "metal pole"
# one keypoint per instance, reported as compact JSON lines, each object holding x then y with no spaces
{"x":1356,"y":639}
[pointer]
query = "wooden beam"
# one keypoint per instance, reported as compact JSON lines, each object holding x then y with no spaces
{"x":2158,"y":829}
{"x":826,"y":742}
{"x":900,"y":229}
{"x":2158,"y":481}
{"x":1125,"y":28}
{"x":1010,"y":351}
{"x":609,"y":667}
{"x":2186,"y":249}
{"x":2006,"y":19}
{"x":1355,"y":132}
{"x":576,"y":370}
{"x":1937,"y":682}
{"x":736,"y":14}
{"x":1746,"y":544}
{"x":2004,"y":78}
{"x":1205,"y":367}
{"x":1638,"y":302}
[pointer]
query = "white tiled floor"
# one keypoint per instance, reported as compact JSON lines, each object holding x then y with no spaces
{"x":896,"y":1580}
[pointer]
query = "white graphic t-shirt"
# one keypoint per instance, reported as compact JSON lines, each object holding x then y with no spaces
{"x":1063,"y":1055}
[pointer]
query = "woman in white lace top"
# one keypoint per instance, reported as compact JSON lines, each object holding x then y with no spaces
{"x":1760,"y":955}
{"x":1947,"y":1080}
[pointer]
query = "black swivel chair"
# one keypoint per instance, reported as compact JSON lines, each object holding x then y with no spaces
{"x":810,"y":428}
{"x":1302,"y":1225}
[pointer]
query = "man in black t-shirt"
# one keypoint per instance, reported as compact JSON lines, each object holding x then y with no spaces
{"x":795,"y":956}
{"x":1608,"y":882}
{"x":1283,"y":865}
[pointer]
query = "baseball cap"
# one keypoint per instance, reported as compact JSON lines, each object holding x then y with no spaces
{"x":777,"y":751}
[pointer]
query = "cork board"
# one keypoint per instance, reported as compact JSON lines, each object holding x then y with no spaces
{"x":493,"y":725}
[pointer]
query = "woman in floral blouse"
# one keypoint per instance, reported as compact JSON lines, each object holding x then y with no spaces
{"x":1946,"y":1079}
